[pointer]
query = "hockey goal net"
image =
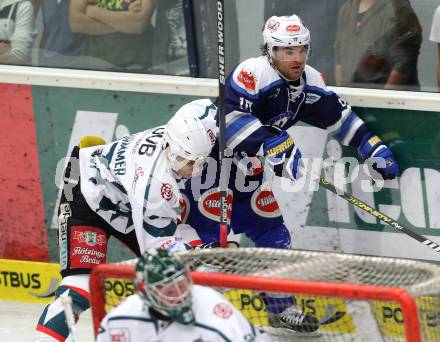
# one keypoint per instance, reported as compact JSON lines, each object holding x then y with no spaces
{"x":355,"y":298}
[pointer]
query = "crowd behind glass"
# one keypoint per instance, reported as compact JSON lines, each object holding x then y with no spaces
{"x":384,"y":44}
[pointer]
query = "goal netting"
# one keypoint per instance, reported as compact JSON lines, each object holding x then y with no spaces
{"x":355,"y":298}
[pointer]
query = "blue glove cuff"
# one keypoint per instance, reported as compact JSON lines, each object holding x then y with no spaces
{"x":368,"y":146}
{"x":277,"y":146}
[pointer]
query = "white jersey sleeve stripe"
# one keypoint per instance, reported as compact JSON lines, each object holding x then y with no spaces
{"x":232,"y":116}
{"x":352,"y":131}
{"x":242,"y":134}
{"x":336,"y":126}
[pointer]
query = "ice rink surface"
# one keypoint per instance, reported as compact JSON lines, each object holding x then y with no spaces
{"x":18,"y":321}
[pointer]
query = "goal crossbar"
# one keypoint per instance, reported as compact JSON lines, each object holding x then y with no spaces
{"x":343,"y":290}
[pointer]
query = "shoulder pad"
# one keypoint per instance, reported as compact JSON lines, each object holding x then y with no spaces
{"x":314,"y":78}
{"x":254,"y":74}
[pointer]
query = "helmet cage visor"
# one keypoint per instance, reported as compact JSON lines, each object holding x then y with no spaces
{"x":288,"y":53}
{"x":170,"y":294}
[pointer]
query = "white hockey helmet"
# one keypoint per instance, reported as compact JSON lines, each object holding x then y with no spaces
{"x":285,"y":31}
{"x":187,"y":137}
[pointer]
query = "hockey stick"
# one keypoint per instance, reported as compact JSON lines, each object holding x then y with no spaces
{"x":377,"y":214}
{"x":222,"y":125}
{"x":66,"y":302}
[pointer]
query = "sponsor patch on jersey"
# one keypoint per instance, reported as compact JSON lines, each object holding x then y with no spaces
{"x":211,"y":136}
{"x":293,"y":28}
{"x":65,"y":213}
{"x":264,"y":204}
{"x":90,"y":238}
{"x":209,"y":204}
{"x":247,"y":79}
{"x":119,"y":335}
{"x":169,"y":244}
{"x":88,"y":246}
{"x":222,"y":310}
{"x":312,"y":98}
{"x":273,"y":25}
{"x":166,"y":191}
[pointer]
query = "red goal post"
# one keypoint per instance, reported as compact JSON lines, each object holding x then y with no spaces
{"x":240,"y":274}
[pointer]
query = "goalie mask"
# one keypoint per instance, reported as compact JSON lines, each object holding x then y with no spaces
{"x":163,"y":282}
{"x":188,"y":140}
{"x":286,"y":32}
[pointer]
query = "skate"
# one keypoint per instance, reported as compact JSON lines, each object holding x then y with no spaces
{"x":295,"y":320}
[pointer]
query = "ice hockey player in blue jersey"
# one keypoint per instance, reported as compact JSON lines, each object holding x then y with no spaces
{"x":264,"y":97}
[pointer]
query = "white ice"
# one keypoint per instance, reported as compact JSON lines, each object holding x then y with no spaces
{"x":18,"y":321}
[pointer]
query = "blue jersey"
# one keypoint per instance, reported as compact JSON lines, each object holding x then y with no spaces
{"x":259,"y":100}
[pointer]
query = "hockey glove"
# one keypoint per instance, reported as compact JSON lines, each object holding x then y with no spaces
{"x":383,"y":159}
{"x":282,"y":153}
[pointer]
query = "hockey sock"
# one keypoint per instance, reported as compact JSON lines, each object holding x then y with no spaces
{"x":52,"y":321}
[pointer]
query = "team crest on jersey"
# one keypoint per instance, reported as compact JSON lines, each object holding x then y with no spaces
{"x":273,"y":25}
{"x":90,"y":238}
{"x":209,"y":204}
{"x":280,"y":120}
{"x":293,"y":28}
{"x":263,"y":203}
{"x":312,"y":98}
{"x":119,"y":335}
{"x":222,"y":310}
{"x":166,"y":191}
{"x":247,"y":79}
{"x":211,"y":136}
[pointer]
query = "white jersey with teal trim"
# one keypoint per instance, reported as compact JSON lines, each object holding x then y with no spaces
{"x":129,"y":183}
{"x":217,"y":320}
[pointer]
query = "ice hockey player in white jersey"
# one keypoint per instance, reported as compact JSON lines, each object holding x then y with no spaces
{"x":128,"y":189}
{"x":168,"y":307}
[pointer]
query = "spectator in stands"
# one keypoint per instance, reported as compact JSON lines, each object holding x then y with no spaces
{"x":435,"y":37}
{"x":170,"y":53}
{"x":168,"y":307}
{"x":377,"y":44}
{"x":320,"y":16}
{"x":118,"y":37}
{"x":60,"y":46}
{"x":17,"y":31}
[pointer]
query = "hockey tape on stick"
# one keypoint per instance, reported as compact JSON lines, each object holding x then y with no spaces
{"x":377,"y":214}
{"x":224,"y":176}
{"x":66,"y":302}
